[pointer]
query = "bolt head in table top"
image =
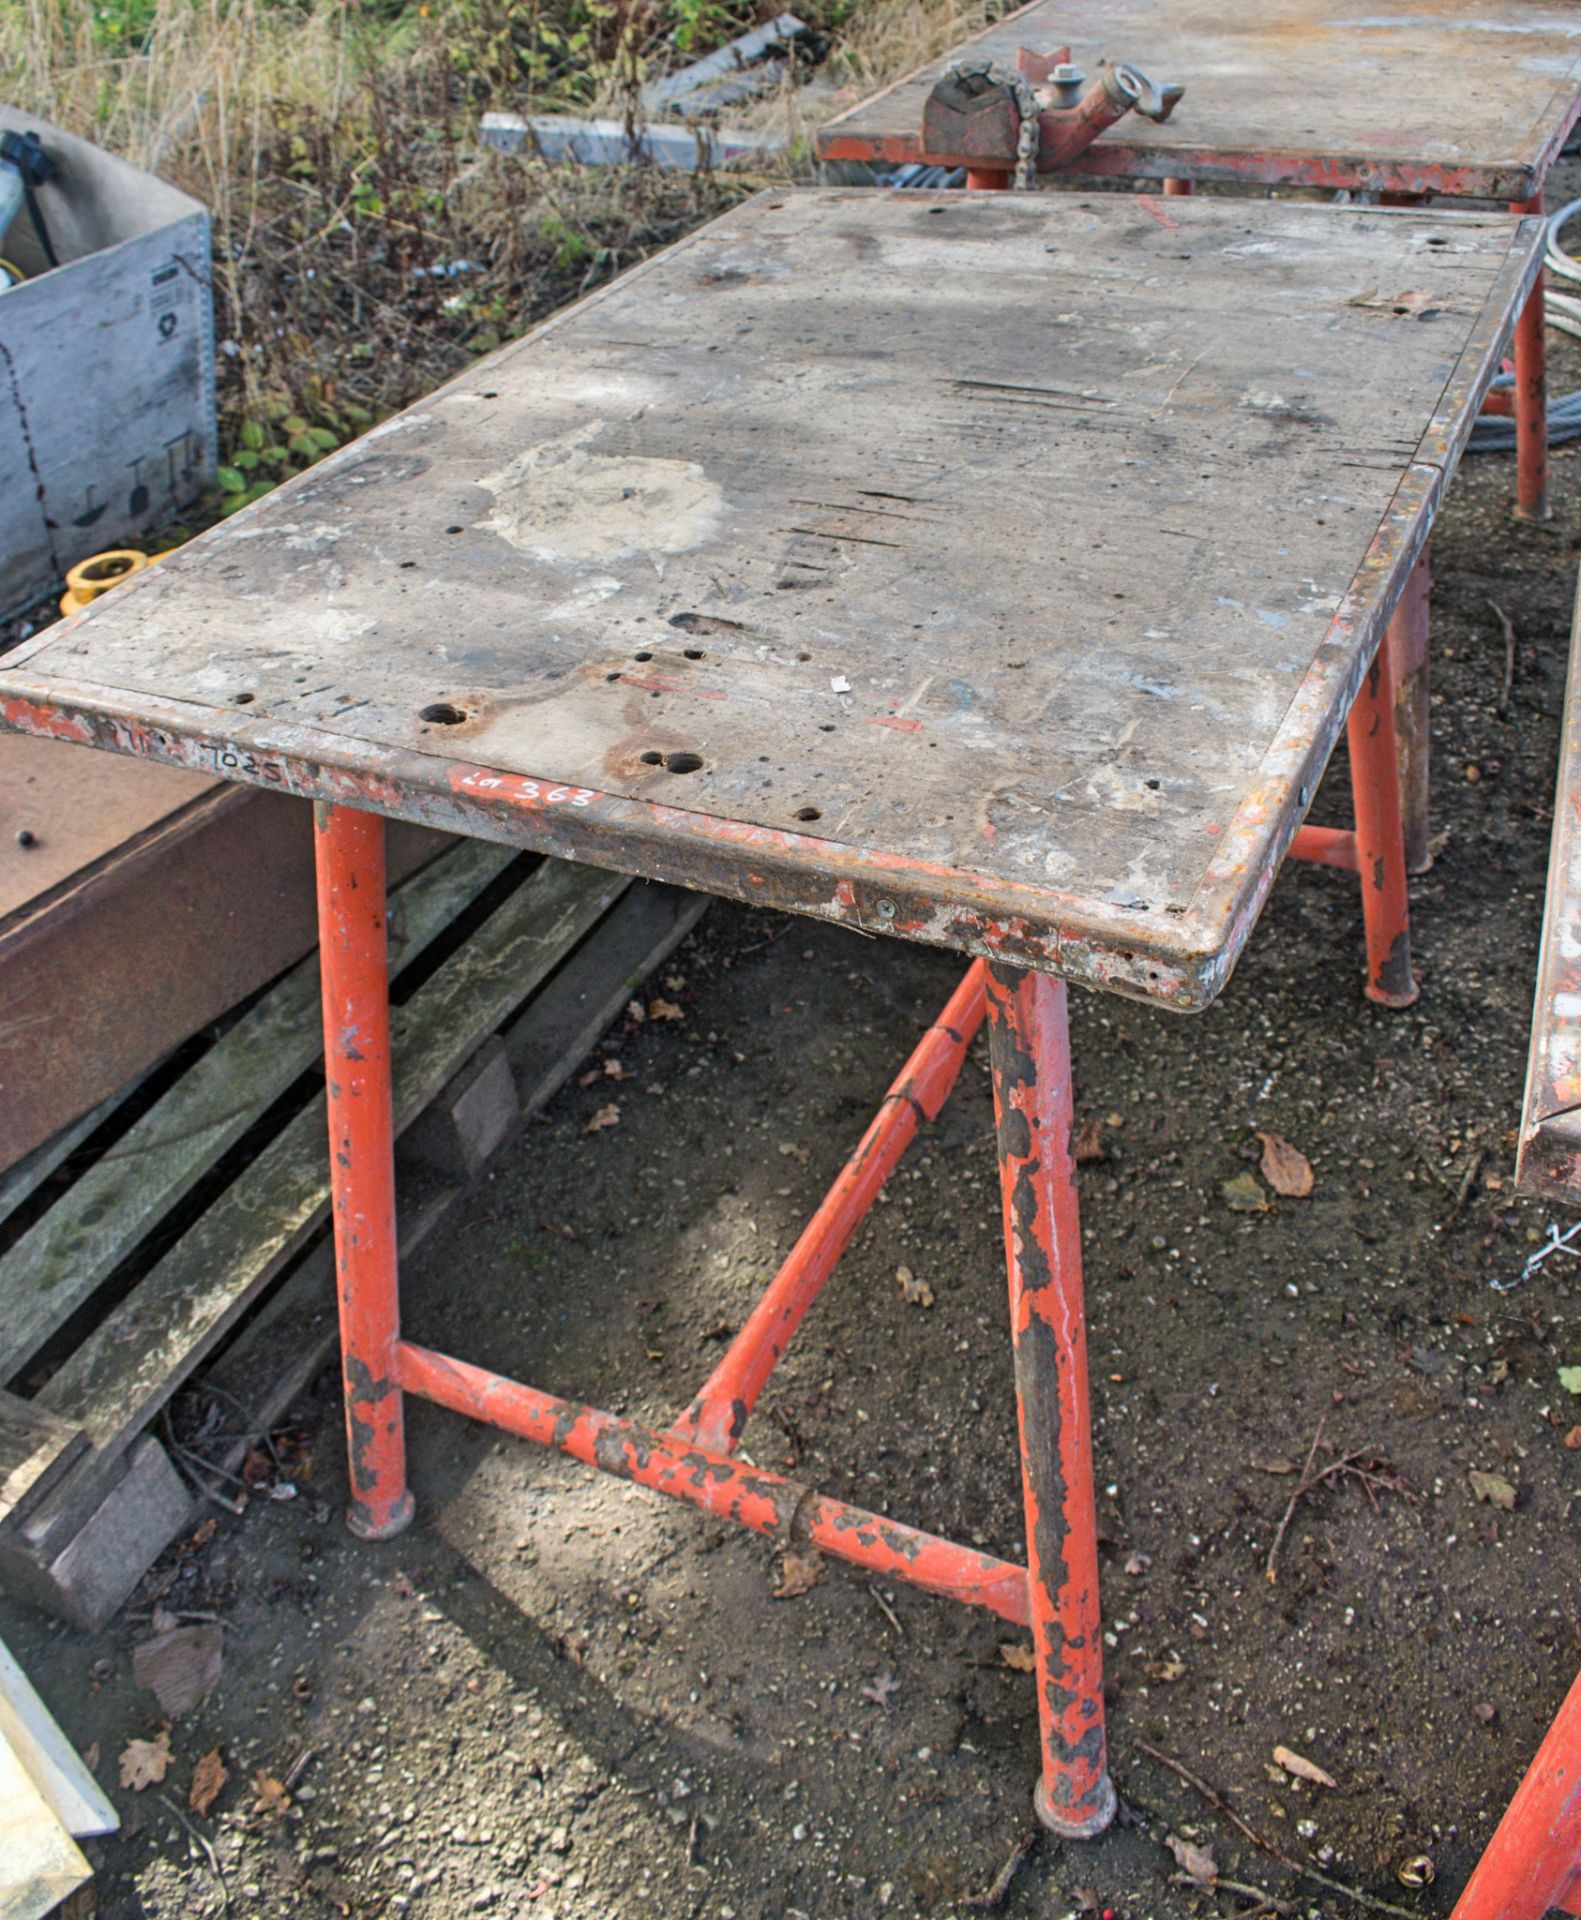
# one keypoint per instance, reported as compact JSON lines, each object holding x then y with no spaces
{"x":1468,"y":98}
{"x":991,"y":570}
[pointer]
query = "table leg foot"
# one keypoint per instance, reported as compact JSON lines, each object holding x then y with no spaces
{"x":353,"y":957}
{"x":1088,"y":1828}
{"x":1029,"y":1050}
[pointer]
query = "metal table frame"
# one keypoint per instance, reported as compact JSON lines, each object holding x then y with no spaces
{"x":1056,"y":1592}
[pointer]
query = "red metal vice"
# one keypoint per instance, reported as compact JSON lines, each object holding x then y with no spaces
{"x":1039,"y":118}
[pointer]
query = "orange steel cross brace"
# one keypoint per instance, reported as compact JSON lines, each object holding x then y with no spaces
{"x":1056,"y":1592}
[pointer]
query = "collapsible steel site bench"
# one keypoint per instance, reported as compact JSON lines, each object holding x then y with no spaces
{"x":1448,"y":99}
{"x":995,"y":571}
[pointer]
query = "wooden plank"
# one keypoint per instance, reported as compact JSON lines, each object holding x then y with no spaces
{"x":125,"y":1371}
{"x":53,"y":1764}
{"x":22,"y":1181}
{"x":40,"y":1864}
{"x":36,"y":1448}
{"x":993,"y":570}
{"x":80,"y":1241}
{"x":1277,"y":93}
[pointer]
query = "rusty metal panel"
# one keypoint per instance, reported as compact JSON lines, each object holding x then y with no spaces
{"x":1549,"y":1162}
{"x":1458,"y":97}
{"x":907,"y":560}
{"x":155,"y":936}
{"x":62,"y":811}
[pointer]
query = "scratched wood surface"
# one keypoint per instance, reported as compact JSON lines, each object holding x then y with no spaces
{"x":1462,"y":97}
{"x":990,"y":569}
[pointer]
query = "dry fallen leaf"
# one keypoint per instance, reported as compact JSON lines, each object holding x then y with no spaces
{"x":90,"y":1757}
{"x":664,"y":1010}
{"x":272,"y":1797}
{"x":144,"y":1763}
{"x":879,"y":1690}
{"x":605,"y":1117}
{"x":1168,"y":1670}
{"x":208,"y":1776}
{"x":1274,"y":1463}
{"x":636,"y":1011}
{"x":792,"y":1152}
{"x":915,"y":1292}
{"x":615,"y":1070}
{"x":1286,"y":1169}
{"x":1494,"y":1488}
{"x":1243,"y":1195}
{"x":1090,"y":1147}
{"x":1573,"y":1439}
{"x":1014,"y":1655}
{"x":1303,"y":1769}
{"x":1138,"y":1563}
{"x":1195,"y":1862}
{"x":799,"y":1574}
{"x":402,"y":1583}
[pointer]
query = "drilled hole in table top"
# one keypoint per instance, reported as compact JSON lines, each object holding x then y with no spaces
{"x":442,"y":714}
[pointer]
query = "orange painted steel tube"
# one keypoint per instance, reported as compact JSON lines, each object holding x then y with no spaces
{"x":987,"y":179}
{"x":1327,"y":846}
{"x":719,"y":1413}
{"x":1533,"y":1861}
{"x":765,"y":1502}
{"x":1531,"y":396}
{"x":1179,"y":188}
{"x":349,"y":851}
{"x":1029,"y":1048}
{"x":1380,"y":840}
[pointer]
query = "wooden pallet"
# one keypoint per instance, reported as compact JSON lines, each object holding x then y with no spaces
{"x":88,"y":1497}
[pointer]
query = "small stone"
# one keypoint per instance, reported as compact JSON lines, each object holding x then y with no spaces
{"x":560,"y":1841}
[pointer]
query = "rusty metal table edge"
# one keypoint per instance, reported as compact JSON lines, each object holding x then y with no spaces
{"x":1181,"y":959}
{"x":1548,"y":1162}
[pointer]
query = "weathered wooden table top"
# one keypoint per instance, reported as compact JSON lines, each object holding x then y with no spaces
{"x":991,"y":569}
{"x":1462,"y":97}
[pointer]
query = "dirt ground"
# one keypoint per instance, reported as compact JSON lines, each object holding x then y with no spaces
{"x":560,"y":1698}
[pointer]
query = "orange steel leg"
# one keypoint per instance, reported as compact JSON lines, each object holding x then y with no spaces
{"x":986,"y":179}
{"x":1029,"y":1050}
{"x":349,"y":847}
{"x":1531,"y":397}
{"x":1380,"y":842}
{"x":1176,"y":187}
{"x":1533,"y":1861}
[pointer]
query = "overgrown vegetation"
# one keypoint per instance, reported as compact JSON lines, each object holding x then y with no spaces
{"x":365,"y":244}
